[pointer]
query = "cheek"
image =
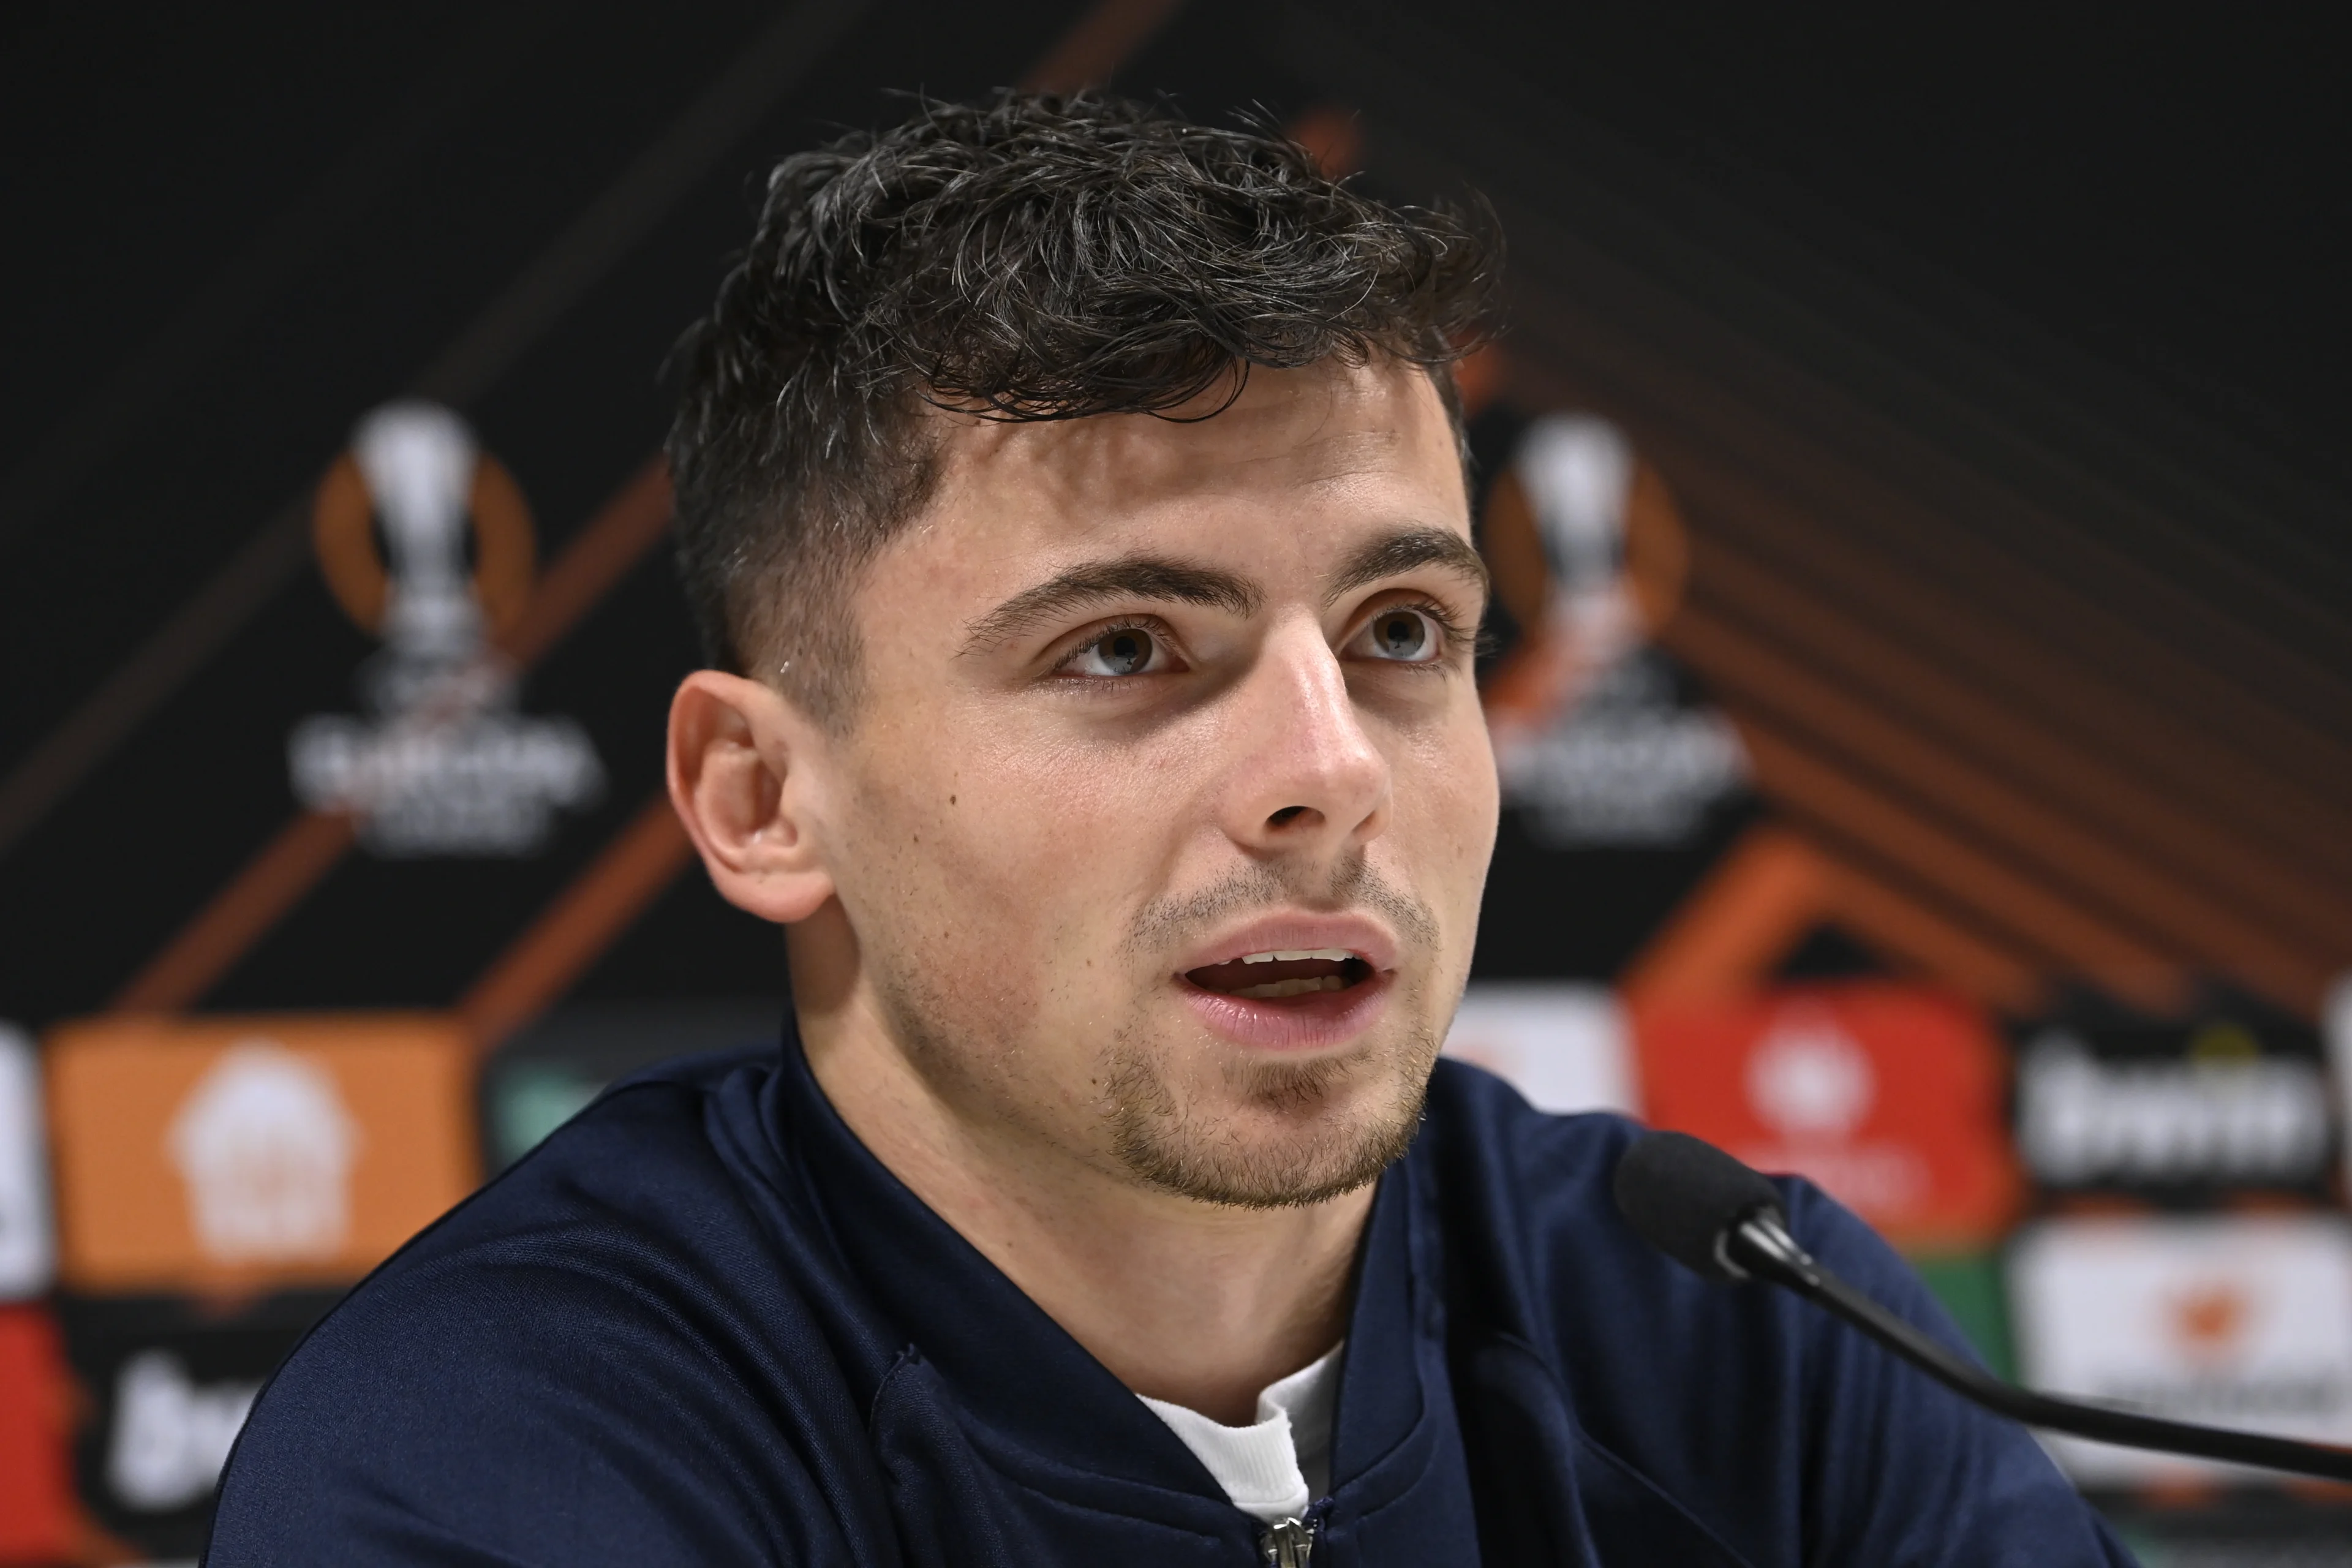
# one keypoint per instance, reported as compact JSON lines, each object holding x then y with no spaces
{"x":1050,"y":819}
{"x":1448,"y":800}
{"x":1022,"y":858}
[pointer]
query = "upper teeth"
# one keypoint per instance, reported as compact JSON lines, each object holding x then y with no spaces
{"x":1292,"y":955}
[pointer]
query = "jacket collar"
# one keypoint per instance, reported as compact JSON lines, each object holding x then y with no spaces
{"x":1016,"y":1371}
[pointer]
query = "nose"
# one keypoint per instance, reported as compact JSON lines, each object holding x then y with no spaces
{"x":1308,"y":779}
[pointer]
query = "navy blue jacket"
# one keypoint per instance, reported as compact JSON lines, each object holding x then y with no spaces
{"x":702,"y":1324}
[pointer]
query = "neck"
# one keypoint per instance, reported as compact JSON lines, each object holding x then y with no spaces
{"x":1199,"y":1304}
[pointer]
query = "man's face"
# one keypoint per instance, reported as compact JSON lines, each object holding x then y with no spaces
{"x":1164,"y":822}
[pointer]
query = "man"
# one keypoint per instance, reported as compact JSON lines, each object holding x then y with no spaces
{"x":1074,"y":501}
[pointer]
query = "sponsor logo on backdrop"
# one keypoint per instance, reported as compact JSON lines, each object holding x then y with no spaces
{"x":1596,"y":741}
{"x":1566,"y":1046}
{"x":2215,"y":1105}
{"x":27,"y":1252}
{"x":265,"y":1147}
{"x":202,"y":1153}
{"x":1887,"y":1096}
{"x":163,"y":1385}
{"x":1813,"y":1086}
{"x":2240,"y":1320}
{"x":442,"y":762}
{"x":172,"y":1433}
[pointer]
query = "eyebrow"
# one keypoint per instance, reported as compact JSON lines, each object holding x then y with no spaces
{"x":1150,"y":577}
{"x":1168,"y":581}
{"x":1406,"y":550}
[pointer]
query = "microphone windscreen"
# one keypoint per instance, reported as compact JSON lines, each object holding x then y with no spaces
{"x":1683,"y":1194}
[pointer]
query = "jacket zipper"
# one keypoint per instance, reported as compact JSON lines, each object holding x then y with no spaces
{"x":1287,"y":1544}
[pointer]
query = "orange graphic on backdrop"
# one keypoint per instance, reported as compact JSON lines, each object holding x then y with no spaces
{"x":2211,"y":1321}
{"x":239,"y":1154}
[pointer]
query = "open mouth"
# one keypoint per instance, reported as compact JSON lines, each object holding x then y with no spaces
{"x":1278,"y":976}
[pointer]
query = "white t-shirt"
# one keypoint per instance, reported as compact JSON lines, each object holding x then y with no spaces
{"x":1275,"y":1468}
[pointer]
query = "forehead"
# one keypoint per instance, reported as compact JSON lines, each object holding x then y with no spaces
{"x":1300,"y":451}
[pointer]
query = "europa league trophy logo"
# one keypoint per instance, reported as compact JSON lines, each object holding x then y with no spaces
{"x":443,"y":764}
{"x":1596,"y":740}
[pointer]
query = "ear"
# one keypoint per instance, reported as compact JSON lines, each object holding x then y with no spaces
{"x":740,"y":774}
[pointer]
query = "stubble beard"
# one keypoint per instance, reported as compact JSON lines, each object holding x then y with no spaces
{"x":1236,"y":1132}
{"x":1323,"y":1128}
{"x":1216,"y":1127}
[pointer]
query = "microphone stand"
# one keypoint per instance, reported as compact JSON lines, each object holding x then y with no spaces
{"x":1760,"y":1247}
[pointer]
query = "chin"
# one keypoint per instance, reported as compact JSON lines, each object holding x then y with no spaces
{"x":1271,"y":1133}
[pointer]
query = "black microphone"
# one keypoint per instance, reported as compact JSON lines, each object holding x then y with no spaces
{"x":1713,"y":1214}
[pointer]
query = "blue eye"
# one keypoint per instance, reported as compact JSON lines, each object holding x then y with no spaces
{"x":1125,"y":650}
{"x":1406,"y":636}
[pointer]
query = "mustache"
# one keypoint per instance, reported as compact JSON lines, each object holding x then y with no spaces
{"x":1351,"y":883}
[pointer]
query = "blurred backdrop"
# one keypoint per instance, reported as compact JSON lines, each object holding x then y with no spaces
{"x":1922,"y":678}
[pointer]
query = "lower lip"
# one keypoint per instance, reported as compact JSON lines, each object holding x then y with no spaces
{"x":1317,"y":1021}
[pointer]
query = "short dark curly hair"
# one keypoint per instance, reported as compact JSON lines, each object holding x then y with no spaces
{"x":1031,"y":258}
